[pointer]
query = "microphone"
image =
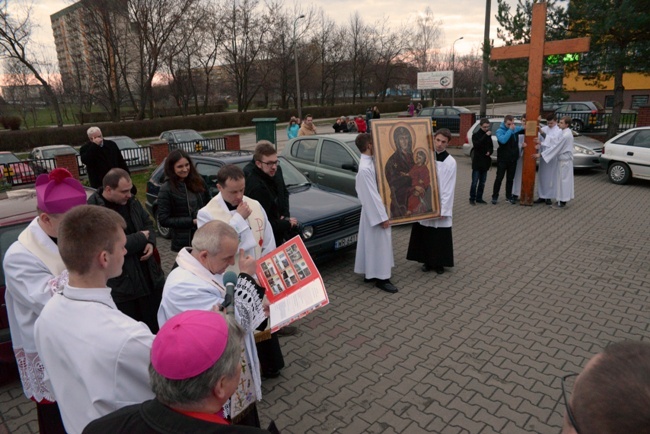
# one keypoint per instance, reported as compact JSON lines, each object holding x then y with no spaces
{"x":230,"y":280}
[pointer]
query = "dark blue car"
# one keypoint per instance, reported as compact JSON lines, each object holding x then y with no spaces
{"x":329,"y":220}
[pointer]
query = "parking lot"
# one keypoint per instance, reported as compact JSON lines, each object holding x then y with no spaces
{"x":534,"y":294}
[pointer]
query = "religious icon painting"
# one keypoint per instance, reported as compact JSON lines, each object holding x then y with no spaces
{"x":406,"y":169}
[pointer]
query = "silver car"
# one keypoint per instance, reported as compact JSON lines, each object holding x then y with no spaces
{"x":586,"y":151}
{"x":331,"y":160}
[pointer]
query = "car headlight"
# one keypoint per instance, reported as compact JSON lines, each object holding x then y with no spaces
{"x":307,"y":232}
{"x":580,"y":150}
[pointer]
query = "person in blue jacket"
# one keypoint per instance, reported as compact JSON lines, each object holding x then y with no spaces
{"x":507,"y":156}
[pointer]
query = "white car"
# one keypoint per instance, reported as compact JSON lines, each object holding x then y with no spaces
{"x":586,"y":151}
{"x":627,"y":155}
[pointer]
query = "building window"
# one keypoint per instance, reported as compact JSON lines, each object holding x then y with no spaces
{"x":639,"y":100}
{"x":609,"y":101}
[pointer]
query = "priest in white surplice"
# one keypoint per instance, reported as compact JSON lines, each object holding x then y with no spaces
{"x":547,"y":172}
{"x":197,"y":284}
{"x":244,"y":214}
{"x":96,"y":357}
{"x":374,"y":257}
{"x":29,"y":264}
{"x":562,"y":154}
{"x":431,"y":241}
{"x":516,"y":183}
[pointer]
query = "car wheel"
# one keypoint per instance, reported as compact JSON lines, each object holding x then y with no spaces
{"x":619,"y":173}
{"x":162,"y":230}
{"x":577,"y":125}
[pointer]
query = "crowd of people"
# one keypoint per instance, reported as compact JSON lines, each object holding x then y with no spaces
{"x":105,"y":343}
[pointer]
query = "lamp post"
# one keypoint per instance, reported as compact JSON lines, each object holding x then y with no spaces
{"x":295,"y":55}
{"x":453,"y":69}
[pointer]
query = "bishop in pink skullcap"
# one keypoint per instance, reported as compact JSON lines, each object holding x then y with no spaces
{"x":58,"y":191}
{"x":189,"y":344}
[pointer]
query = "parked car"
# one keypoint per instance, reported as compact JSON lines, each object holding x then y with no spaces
{"x":43,"y":156}
{"x":585,"y":115}
{"x":444,"y":117}
{"x":627,"y":155}
{"x":14,"y":170}
{"x":586,"y":151}
{"x":329,"y":220}
{"x":180,"y":136}
{"x":17,"y":209}
{"x":133,"y":154}
{"x":331,"y":160}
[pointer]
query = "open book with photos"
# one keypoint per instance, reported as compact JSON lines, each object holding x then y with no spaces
{"x":293,"y":284}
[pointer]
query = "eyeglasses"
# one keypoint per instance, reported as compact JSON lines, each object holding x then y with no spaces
{"x":567,"y":386}
{"x":270,"y":163}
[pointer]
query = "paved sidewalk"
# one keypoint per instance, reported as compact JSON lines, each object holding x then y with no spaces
{"x":479,"y":349}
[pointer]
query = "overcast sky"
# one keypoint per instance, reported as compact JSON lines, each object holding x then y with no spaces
{"x":464,"y":18}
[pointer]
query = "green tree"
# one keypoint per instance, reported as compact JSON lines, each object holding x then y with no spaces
{"x":514,"y":29}
{"x":620,"y":42}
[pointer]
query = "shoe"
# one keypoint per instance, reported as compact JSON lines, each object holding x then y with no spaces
{"x":472,"y":202}
{"x":425,"y":268}
{"x":369,"y":280}
{"x":273,"y":374}
{"x":549,"y":202}
{"x":512,"y":201}
{"x":540,"y":200}
{"x":494,"y":201}
{"x":559,"y":205}
{"x":515,"y":198}
{"x":481,"y":201}
{"x":386,"y":285}
{"x":287,"y":331}
{"x":440,"y":270}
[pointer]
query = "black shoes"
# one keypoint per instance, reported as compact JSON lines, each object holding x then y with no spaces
{"x":540,"y":200}
{"x":512,"y":201}
{"x":368,"y":280}
{"x":549,"y":202}
{"x":386,"y":285}
{"x":426,"y":268}
{"x":494,"y":201}
{"x":559,"y":205}
{"x":481,"y":201}
{"x":472,"y":202}
{"x":287,"y":331}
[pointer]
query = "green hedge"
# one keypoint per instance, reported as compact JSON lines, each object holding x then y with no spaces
{"x":25,"y":140}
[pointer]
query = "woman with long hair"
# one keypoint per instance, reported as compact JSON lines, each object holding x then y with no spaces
{"x":180,"y":198}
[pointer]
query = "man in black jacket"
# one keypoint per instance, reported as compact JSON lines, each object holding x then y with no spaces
{"x":265,"y":184}
{"x":481,"y":161}
{"x":100,"y":156}
{"x":137,"y":291}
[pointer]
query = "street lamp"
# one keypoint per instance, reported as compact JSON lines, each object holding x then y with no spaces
{"x":453,"y":68}
{"x":295,"y":55}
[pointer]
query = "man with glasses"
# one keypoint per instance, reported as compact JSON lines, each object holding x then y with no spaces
{"x":265,"y":184}
{"x":611,"y":394}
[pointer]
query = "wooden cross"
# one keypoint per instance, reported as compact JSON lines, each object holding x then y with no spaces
{"x":536,"y":51}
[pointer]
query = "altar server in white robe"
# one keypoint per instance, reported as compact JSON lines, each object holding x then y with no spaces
{"x":562,"y":153}
{"x":29,"y":264}
{"x":244,"y":214}
{"x":431,"y":241}
{"x":516,"y":183}
{"x":547,"y":172}
{"x":96,"y":357}
{"x":374,"y":256}
{"x":197,"y":284}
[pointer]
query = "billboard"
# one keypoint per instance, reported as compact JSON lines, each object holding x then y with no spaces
{"x":436,"y":80}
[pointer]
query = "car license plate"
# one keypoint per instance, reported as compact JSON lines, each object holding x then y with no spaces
{"x":344,"y":242}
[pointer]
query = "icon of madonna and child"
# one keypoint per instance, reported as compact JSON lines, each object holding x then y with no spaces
{"x":408,"y":184}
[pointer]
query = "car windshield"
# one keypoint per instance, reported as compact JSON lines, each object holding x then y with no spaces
{"x":187,"y":136}
{"x":598,"y":105}
{"x":291,"y":175}
{"x":51,"y":153}
{"x":8,"y":158}
{"x":124,"y":142}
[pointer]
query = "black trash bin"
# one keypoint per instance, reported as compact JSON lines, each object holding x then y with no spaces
{"x":265,"y":130}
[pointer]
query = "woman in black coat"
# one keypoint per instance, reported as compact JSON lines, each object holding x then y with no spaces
{"x":481,"y":160}
{"x":181,"y":198}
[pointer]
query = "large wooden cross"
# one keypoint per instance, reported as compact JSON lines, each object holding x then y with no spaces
{"x":536,"y":51}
